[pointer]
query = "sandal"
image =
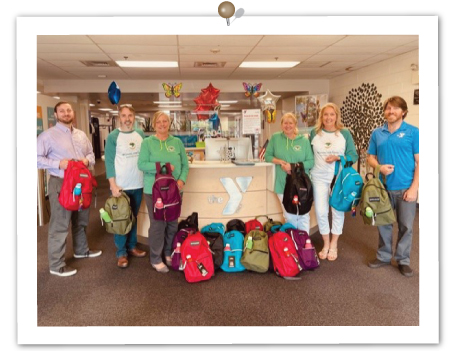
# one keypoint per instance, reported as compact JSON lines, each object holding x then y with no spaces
{"x":323,"y":254}
{"x":332,"y":254}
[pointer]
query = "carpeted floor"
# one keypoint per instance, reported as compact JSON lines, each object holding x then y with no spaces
{"x":345,"y":292}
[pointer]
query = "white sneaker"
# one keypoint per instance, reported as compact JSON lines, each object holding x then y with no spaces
{"x":89,"y":254}
{"x":65,"y":271}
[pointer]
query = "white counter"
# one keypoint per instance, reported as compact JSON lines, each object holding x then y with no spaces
{"x":221,"y":191}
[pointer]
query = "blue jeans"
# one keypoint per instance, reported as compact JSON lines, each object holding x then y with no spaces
{"x":129,"y":241}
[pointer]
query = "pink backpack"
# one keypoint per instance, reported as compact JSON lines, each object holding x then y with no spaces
{"x":166,"y":195}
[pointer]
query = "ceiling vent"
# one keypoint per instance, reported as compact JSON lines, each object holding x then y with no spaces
{"x":99,"y":63}
{"x":209,"y":64}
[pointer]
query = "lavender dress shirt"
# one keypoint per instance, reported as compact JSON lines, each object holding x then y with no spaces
{"x":59,"y":143}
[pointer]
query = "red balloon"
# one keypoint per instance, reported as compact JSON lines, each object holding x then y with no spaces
{"x":206,"y":101}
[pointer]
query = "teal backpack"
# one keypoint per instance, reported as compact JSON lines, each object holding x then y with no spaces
{"x":346,"y":187}
{"x":232,"y":254}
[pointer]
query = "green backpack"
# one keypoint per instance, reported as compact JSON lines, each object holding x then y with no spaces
{"x":375,"y":204}
{"x":122,"y":217}
{"x":256,"y":251}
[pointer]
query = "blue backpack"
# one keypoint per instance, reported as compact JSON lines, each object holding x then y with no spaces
{"x":213,"y":228}
{"x":346,"y":187}
{"x":232,"y":257}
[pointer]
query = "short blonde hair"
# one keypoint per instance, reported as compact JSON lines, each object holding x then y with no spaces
{"x":319,"y":124}
{"x":291,"y":116}
{"x":157,"y":115}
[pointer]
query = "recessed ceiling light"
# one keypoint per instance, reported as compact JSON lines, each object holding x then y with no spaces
{"x":56,"y":97}
{"x":228,"y":102}
{"x":269,"y":64}
{"x":147,"y":63}
{"x":167,"y":102}
{"x":105,"y":109}
{"x":101,"y":76}
{"x":91,"y":105}
{"x":226,"y":105}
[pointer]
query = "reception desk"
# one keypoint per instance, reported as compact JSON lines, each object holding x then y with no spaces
{"x":219,"y":192}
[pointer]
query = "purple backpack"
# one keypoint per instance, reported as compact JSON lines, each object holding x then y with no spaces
{"x":307,"y":256}
{"x":166,"y":195}
{"x":178,"y":239}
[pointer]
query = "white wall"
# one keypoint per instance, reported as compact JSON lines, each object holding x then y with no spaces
{"x":391,"y":77}
{"x":81,"y":109}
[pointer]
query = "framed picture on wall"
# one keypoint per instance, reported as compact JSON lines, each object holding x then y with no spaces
{"x":307,"y":108}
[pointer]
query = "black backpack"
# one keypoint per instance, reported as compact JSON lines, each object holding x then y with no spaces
{"x":298,"y":192}
{"x":236,"y":224}
{"x":215,"y":242}
{"x":190,"y":222}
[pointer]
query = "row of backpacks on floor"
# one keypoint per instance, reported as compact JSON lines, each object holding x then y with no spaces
{"x":240,"y":246}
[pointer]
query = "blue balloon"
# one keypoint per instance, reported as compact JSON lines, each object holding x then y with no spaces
{"x":114,"y":93}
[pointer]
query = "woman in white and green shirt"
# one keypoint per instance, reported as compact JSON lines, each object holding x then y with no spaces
{"x":329,"y":141}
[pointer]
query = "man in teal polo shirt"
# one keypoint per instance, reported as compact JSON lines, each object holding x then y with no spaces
{"x":395,"y":146}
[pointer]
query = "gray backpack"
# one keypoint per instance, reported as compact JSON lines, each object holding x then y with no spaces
{"x":122,"y":217}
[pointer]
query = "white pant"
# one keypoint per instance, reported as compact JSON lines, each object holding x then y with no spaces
{"x":300,"y":222}
{"x":322,"y":206}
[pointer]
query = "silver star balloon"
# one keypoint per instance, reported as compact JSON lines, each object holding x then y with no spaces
{"x":268,"y":101}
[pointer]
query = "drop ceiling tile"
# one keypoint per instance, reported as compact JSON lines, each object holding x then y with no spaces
{"x":212,"y":58}
{"x":377,"y":40}
{"x":273,"y":55}
{"x":206,"y":50}
{"x":299,"y":40}
{"x":68,"y":48}
{"x":144,"y":57}
{"x":63,"y":39}
{"x":73,"y":56}
{"x":350,"y":58}
{"x":288,"y":50}
{"x":222,"y":40}
{"x":155,"y":40}
{"x":139,"y":49}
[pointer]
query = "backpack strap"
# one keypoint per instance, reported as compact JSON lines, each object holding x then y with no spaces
{"x":267,"y":217}
{"x":337,"y":165}
{"x":166,"y":166}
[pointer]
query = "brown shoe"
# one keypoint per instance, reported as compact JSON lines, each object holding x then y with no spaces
{"x":122,"y":262}
{"x":137,"y":253}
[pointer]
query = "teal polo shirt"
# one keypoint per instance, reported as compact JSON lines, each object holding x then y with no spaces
{"x":396,"y":149}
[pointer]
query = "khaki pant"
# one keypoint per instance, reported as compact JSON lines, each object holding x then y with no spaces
{"x":58,"y":228}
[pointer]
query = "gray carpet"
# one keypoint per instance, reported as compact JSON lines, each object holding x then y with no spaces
{"x":345,"y":292}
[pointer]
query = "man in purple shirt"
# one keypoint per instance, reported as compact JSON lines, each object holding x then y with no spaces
{"x":55,"y":147}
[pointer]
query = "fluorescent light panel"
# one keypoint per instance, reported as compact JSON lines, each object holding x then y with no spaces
{"x":151,"y":64}
{"x":228,"y":102}
{"x":269,"y":64}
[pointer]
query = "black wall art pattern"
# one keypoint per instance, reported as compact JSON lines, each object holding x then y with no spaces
{"x":362,"y":112}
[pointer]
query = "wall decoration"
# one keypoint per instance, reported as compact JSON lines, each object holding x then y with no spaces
{"x":39,"y":125}
{"x":252,"y":89}
{"x":51,"y":119}
{"x":307,"y":108}
{"x":206,"y":102}
{"x":172,"y":89}
{"x":269,"y":105}
{"x":362,"y":112}
{"x":416,"y":96}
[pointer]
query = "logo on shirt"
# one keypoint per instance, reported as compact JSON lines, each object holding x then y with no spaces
{"x":297,"y":147}
{"x":132,"y":145}
{"x":401,"y":135}
{"x":171,"y":148}
{"x":328,"y":145}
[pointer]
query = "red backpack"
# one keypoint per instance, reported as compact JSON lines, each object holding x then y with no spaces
{"x":284,"y":255}
{"x":253,"y":224}
{"x":196,"y":258}
{"x":76,"y":190}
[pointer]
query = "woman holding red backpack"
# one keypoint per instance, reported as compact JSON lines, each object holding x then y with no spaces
{"x":161,"y":148}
